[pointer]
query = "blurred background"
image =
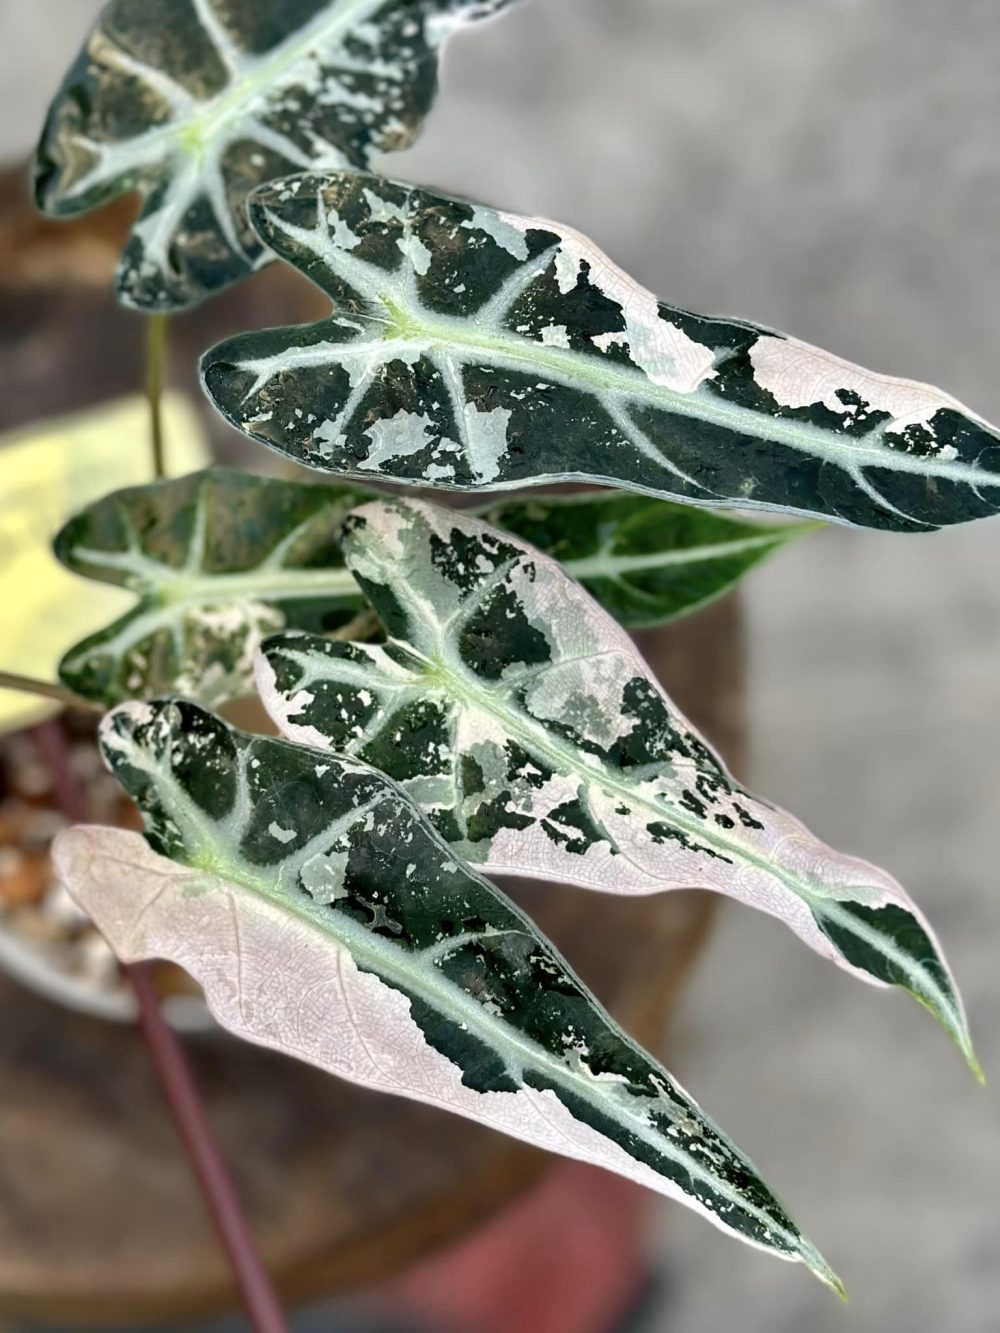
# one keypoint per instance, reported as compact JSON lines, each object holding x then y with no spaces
{"x":831,"y":168}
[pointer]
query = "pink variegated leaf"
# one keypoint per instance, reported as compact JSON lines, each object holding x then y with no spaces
{"x":325,"y":918}
{"x":521,"y":718}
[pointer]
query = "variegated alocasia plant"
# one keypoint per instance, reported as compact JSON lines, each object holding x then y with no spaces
{"x":324,"y":916}
{"x":520,"y":717}
{"x":221,"y":558}
{"x":195,"y":102}
{"x":473,"y":350}
{"x":317,"y":889}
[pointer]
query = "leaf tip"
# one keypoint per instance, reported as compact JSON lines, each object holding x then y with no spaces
{"x":973,"y":1063}
{"x":818,"y":1266}
{"x":960,"y":1035}
{"x":956,"y":1026}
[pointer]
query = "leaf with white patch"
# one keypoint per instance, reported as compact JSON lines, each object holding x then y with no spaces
{"x":522,"y":719}
{"x":194,"y":103}
{"x":220,"y":559}
{"x":646,"y":561}
{"x":325,"y":918}
{"x":475,"y":350}
{"x":217,"y":560}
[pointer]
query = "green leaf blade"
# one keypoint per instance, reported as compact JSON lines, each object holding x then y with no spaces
{"x":195,"y":102}
{"x":474,"y":350}
{"x":524,"y":722}
{"x":218,"y":560}
{"x":325,"y":918}
{"x":646,"y":561}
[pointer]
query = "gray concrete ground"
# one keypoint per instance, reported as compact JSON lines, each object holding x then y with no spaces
{"x":830,"y":167}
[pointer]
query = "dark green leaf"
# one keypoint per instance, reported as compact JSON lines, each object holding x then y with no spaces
{"x":217,"y":559}
{"x":646,"y":561}
{"x":475,"y":350}
{"x":195,"y":102}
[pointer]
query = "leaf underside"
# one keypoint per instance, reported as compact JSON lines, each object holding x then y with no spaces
{"x":476,"y":350}
{"x":520,"y":717}
{"x":220,"y":559}
{"x":325,"y":918}
{"x":194,"y":103}
{"x":217,"y":560}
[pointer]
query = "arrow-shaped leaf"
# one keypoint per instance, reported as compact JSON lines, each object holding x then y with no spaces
{"x":325,"y":918}
{"x":476,"y":350}
{"x":195,"y":102}
{"x":522,"y":719}
{"x":221,"y":558}
{"x":218,"y":559}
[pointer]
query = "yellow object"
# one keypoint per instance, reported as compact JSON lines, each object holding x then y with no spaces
{"x":48,"y":473}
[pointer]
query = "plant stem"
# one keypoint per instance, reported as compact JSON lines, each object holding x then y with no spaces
{"x":9,"y":680}
{"x":70,"y":796}
{"x":156,"y":356}
{"x":181,"y":1094}
{"x":364,"y":626}
{"x":178,"y":1085}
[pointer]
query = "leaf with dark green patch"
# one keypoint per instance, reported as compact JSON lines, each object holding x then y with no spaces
{"x":522,"y":719}
{"x":217,"y":560}
{"x":220,"y":559}
{"x":476,"y":350}
{"x":193,"y":103}
{"x":325,"y":918}
{"x":646,"y":561}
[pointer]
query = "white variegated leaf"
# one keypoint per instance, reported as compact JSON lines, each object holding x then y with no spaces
{"x":476,"y":350}
{"x":195,"y":102}
{"x":325,"y":918}
{"x":515,"y":711}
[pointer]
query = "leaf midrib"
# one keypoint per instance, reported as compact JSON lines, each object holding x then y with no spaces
{"x":183,"y":591}
{"x":162,"y":606}
{"x":611,"y":565}
{"x":231,"y":103}
{"x":411,"y":329}
{"x":456,"y":680}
